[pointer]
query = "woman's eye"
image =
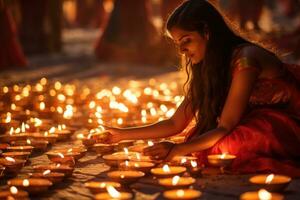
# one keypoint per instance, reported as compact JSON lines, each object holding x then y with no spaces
{"x":185,"y":41}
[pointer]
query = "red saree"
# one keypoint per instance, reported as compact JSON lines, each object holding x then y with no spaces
{"x":267,"y":139}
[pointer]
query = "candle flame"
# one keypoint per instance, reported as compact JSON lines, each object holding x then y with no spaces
{"x":23,"y":127}
{"x":126,"y":163}
{"x":46,"y":172}
{"x":70,"y":150}
{"x":58,"y":165}
{"x":61,"y":155}
{"x":175,"y":180}
{"x":28,"y":141}
{"x":42,"y":106}
{"x":150,"y":143}
{"x":52,"y":130}
{"x":113,"y":192}
{"x":25,"y":182}
{"x":166,"y":168}
{"x":183,"y":160}
{"x":223,"y":156}
{"x":180,"y":193}
{"x":10,"y":159}
{"x":264,"y":195}
{"x":138,"y":156}
{"x":269,"y":178}
{"x":194,"y":163}
{"x":11,"y":131}
{"x":126,"y":151}
{"x":8,"y":118}
{"x":13,"y":190}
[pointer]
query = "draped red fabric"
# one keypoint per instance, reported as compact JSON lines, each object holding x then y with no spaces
{"x":11,"y":54}
{"x":267,"y":139}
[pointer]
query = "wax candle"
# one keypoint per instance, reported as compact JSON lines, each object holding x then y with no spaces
{"x":31,"y":185}
{"x":183,"y":194}
{"x":137,"y":165}
{"x":262,"y":194}
{"x":271,"y":182}
{"x":14,"y":194}
{"x":168,"y":171}
{"x":97,"y":187}
{"x":221,"y":160}
{"x":60,"y":168}
{"x":112,"y":193}
{"x":125,"y":177}
{"x":54,"y":177}
{"x":177,"y":182}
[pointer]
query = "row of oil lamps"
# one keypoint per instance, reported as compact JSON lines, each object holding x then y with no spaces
{"x":27,"y":127}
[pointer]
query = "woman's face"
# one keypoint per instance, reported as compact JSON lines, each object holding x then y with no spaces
{"x":190,"y":43}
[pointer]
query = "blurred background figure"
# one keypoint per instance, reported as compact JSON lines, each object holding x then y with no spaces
{"x":11,"y":54}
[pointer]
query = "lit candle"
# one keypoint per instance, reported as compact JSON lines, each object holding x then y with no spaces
{"x":114,"y":160}
{"x":17,"y":155}
{"x":12,"y":166}
{"x":137,"y":165}
{"x":112,"y":193}
{"x":125,"y":177}
{"x":60,"y":168}
{"x":54,"y":177}
{"x":31,"y":185}
{"x":168,"y":171}
{"x":182,"y":194}
{"x":262,"y":194}
{"x":97,"y":187}
{"x":271,"y":182}
{"x":13,"y":193}
{"x":62,"y":158}
{"x":221,"y":160}
{"x":177,"y":182}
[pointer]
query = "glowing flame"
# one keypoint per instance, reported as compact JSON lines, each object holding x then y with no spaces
{"x":42,"y":106}
{"x":150,"y":143}
{"x":13,"y":106}
{"x":25,"y":182}
{"x":52,"y":130}
{"x":183,"y":160}
{"x":166,"y":168}
{"x":126,"y":151}
{"x":264,"y":194}
{"x":8,"y":117}
{"x":70,"y":150}
{"x":61,"y":155}
{"x":194,"y":163}
{"x":126,"y":163}
{"x":223,"y":156}
{"x":37,"y":122}
{"x":113,"y":192}
{"x":138,"y":156}
{"x":46,"y":172}
{"x":13,"y":190}
{"x":10,"y":159}
{"x":11,"y":131}
{"x":80,"y":136}
{"x":180,"y":193}
{"x":136,"y":164}
{"x":23,"y":128}
{"x":175,"y":180}
{"x":269,"y":178}
{"x":120,"y":121}
{"x":28,"y":141}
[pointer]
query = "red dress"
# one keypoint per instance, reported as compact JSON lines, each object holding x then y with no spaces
{"x":267,"y":139}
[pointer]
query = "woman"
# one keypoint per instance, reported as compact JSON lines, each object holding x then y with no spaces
{"x":244,"y":99}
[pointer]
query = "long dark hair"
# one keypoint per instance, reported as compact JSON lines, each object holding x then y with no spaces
{"x":208,"y":81}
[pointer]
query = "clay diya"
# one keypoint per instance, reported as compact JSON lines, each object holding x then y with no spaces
{"x":125,"y":177}
{"x":97,"y":187}
{"x":62,"y":158}
{"x":136,"y":165}
{"x":17,"y":155}
{"x":12,"y":166}
{"x":182,"y":194}
{"x":103,"y":148}
{"x":112,"y":193}
{"x":262,"y":194}
{"x":177,"y":182}
{"x":54,"y":177}
{"x":31,"y":185}
{"x":271,"y":182}
{"x":65,"y":169}
{"x":168,"y":171}
{"x":14,"y":194}
{"x":220,"y":160}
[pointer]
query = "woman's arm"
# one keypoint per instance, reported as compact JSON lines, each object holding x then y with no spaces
{"x":235,"y":106}
{"x":165,"y":128}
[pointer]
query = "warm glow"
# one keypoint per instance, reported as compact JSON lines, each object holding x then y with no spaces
{"x":25,"y":182}
{"x":194,"y":163}
{"x":42,"y":106}
{"x":8,"y":118}
{"x":264,"y":195}
{"x":10,"y":159}
{"x":126,"y":151}
{"x":180,"y":193}
{"x":52,"y":130}
{"x":11,"y":131}
{"x":269,"y":178}
{"x":13,"y":106}
{"x":92,"y":104}
{"x":116,"y":90}
{"x":183,"y":160}
{"x":113,"y":192}
{"x":150,"y":143}
{"x":61,"y":155}
{"x":166,"y":168}
{"x":126,"y":163}
{"x":223,"y":156}
{"x":28,"y":141}
{"x":13,"y":190}
{"x":70,"y":150}
{"x":120,"y":121}
{"x":175,"y":180}
{"x":46,"y":172}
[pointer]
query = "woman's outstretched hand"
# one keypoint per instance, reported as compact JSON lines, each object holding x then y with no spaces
{"x":159,"y":151}
{"x":115,"y":134}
